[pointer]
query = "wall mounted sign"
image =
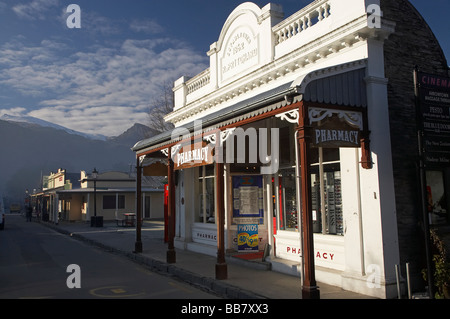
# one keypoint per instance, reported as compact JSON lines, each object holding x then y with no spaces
{"x":191,"y":155}
{"x":433,"y":96}
{"x":333,"y":128}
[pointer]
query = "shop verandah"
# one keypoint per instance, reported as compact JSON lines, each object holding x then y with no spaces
{"x":202,"y":190}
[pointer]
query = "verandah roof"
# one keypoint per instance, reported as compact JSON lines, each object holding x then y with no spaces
{"x":339,"y":85}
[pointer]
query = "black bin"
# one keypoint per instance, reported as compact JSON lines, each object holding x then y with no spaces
{"x":96,"y":221}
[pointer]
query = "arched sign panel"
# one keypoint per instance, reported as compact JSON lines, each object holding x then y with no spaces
{"x":333,"y":128}
{"x":240,"y":53}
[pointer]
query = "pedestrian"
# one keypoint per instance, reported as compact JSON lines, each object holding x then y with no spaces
{"x":29,"y":212}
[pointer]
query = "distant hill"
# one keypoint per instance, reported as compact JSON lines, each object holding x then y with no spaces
{"x":33,"y":121}
{"x":30,"y":149}
{"x":129,"y":136}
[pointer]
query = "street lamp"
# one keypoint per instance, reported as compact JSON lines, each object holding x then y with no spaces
{"x":94,"y":176}
{"x":95,"y":221}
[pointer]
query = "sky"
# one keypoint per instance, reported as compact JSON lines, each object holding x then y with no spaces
{"x":103,"y":77}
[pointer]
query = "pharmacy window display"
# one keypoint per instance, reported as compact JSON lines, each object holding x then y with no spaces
{"x":206,"y":189}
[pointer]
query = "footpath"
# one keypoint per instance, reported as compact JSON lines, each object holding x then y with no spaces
{"x":247,"y":279}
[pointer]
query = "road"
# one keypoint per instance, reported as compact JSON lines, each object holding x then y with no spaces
{"x":34,"y":264}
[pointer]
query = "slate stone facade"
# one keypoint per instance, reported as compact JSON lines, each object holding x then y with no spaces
{"x":413,"y":43}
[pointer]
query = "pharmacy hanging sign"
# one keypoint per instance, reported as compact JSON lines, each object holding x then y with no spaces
{"x":192,"y":155}
{"x":334,"y":128}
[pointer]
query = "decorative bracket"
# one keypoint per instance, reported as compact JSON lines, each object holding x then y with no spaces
{"x":223,"y":136}
{"x":291,"y":116}
{"x":353,"y":118}
{"x":165,"y":151}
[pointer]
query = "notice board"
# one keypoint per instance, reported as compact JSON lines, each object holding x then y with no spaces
{"x":248,"y":199}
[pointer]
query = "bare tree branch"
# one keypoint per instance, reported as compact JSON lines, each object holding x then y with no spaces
{"x":159,"y":107}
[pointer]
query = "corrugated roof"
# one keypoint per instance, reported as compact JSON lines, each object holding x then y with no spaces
{"x":342,"y":89}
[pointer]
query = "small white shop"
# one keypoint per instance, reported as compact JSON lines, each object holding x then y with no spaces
{"x":291,"y":116}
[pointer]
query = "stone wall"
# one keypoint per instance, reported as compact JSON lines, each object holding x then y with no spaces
{"x":413,"y":43}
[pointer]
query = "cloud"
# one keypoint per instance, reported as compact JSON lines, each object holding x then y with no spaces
{"x":95,"y":23}
{"x":34,"y":10}
{"x":104,"y":90}
{"x":15,"y":111}
{"x":146,"y":26}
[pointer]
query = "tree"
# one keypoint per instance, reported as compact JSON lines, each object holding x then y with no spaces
{"x":159,"y":107}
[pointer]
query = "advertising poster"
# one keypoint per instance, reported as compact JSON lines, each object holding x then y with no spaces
{"x":433,"y":94}
{"x":247,"y":237}
{"x":248,"y":200}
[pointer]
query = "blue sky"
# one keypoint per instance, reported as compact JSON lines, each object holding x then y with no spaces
{"x":102,"y":77}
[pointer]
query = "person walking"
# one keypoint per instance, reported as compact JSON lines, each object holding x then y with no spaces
{"x":29,"y":213}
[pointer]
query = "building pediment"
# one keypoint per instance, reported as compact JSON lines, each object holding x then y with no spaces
{"x":258,"y":51}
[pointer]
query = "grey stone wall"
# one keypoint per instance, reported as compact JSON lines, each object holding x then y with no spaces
{"x":413,"y":43}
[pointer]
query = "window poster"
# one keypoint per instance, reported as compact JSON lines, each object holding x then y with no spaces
{"x":247,"y":237}
{"x":248,"y":200}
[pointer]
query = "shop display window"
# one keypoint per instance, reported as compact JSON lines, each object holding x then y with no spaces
{"x":206,"y":198}
{"x":325,"y":193}
{"x":286,"y":200}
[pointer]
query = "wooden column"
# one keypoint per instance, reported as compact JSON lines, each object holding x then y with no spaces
{"x":138,"y":243}
{"x":221,"y":266}
{"x":309,"y":288}
{"x":171,"y":257}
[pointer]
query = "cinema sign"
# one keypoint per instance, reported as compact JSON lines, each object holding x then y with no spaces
{"x":333,"y":128}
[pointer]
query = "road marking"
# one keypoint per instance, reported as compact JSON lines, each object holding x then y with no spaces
{"x":113,"y":292}
{"x":118,"y":290}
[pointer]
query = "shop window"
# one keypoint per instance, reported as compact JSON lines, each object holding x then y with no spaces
{"x":206,"y":199}
{"x":286,"y":200}
{"x":109,"y":202}
{"x":325,"y":194}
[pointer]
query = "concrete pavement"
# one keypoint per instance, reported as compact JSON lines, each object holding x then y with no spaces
{"x":246,"y":279}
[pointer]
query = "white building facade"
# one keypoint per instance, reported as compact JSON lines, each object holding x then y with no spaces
{"x":310,"y":88}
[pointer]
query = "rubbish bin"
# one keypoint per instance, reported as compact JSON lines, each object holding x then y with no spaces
{"x":96,"y":221}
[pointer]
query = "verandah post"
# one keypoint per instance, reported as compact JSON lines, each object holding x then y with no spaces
{"x":221,"y":266}
{"x":171,"y":256}
{"x":309,"y":287}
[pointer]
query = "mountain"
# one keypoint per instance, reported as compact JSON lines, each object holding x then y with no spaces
{"x":29,"y":120}
{"x":30,"y":149}
{"x":128,"y":137}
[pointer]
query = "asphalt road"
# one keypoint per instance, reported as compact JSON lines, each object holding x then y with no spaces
{"x":34,"y":263}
